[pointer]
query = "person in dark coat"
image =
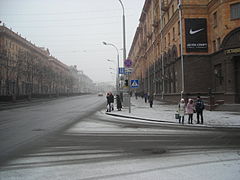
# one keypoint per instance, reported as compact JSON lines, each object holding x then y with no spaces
{"x":145,"y":97}
{"x":111,"y":101}
{"x":108,"y":102}
{"x":119,"y":104}
{"x":150,"y":99}
{"x":199,"y":107}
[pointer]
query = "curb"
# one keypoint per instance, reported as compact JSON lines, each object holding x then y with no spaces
{"x":171,"y":124}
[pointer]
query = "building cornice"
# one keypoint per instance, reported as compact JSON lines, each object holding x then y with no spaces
{"x":23,"y":41}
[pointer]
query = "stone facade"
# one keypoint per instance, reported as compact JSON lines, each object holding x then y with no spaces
{"x":30,"y":71}
{"x":171,"y":56}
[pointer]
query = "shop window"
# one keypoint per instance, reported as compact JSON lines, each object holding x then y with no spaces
{"x":235,"y":11}
{"x":218,"y":74}
{"x":168,"y":39}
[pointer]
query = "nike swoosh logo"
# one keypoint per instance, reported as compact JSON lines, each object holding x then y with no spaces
{"x":196,"y":31}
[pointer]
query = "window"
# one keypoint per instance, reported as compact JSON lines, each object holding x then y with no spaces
{"x":235,"y":11}
{"x":178,"y":27}
{"x":215,"y":19}
{"x":173,"y":9}
{"x":218,"y":43}
{"x":218,"y":74}
{"x":173,"y":34}
{"x":214,"y":46}
{"x":169,"y":39}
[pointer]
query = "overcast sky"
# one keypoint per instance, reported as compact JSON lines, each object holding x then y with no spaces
{"x":73,"y":30}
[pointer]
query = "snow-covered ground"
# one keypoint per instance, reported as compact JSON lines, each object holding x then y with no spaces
{"x":166,"y":112}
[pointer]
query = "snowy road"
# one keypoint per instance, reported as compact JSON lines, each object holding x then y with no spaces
{"x":99,"y":147}
{"x":21,"y":126}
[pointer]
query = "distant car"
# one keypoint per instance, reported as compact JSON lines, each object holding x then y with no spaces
{"x":100,"y":94}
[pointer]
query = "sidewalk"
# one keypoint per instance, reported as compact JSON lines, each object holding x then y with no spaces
{"x":165,"y":113}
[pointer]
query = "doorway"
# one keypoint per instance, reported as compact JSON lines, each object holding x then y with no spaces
{"x":237,"y":78}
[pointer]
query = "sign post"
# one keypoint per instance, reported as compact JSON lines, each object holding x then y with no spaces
{"x":128,"y":65}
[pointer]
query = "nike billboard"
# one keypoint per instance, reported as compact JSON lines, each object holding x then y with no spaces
{"x":196,"y":35}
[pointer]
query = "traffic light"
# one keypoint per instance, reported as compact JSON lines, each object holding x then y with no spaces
{"x":126,"y":82}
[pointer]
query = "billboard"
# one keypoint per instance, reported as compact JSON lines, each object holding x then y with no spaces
{"x":196,"y":35}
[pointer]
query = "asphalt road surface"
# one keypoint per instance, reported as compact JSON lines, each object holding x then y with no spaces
{"x":20,"y":126}
{"x":96,"y":146}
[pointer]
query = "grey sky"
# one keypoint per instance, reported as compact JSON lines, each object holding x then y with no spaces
{"x":74,"y":30}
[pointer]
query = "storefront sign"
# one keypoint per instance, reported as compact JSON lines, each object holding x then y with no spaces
{"x":232,"y":51}
{"x":196,"y":35}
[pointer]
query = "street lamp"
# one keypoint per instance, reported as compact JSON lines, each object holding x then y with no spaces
{"x":124,"y":49}
{"x":124,"y":34}
{"x":117,"y":81}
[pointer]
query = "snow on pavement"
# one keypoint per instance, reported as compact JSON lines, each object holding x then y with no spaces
{"x":166,"y":112}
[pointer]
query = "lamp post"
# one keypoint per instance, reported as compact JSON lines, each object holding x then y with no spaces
{"x":124,"y":34}
{"x":181,"y":39}
{"x":124,"y":49}
{"x":117,"y":80}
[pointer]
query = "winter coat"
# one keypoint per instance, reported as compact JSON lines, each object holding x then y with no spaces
{"x":190,"y":108}
{"x":119,"y":104}
{"x":111,"y":98}
{"x":108,"y":99}
{"x":181,"y":109}
{"x":150,"y":99}
{"x":199,"y":105}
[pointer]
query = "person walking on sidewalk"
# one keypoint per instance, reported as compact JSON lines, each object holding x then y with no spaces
{"x":108,"y":102}
{"x":119,"y":104}
{"x":145,"y":97}
{"x":190,"y":110}
{"x":150,"y":99}
{"x":111,"y":101}
{"x":199,"y":106}
{"x":181,"y":110}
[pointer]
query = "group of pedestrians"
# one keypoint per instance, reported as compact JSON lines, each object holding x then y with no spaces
{"x":110,"y":102}
{"x":189,"y":109}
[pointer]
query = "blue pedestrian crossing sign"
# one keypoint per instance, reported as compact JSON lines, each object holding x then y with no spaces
{"x":134,"y":84}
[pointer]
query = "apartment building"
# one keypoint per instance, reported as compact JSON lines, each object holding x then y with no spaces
{"x":30,"y":71}
{"x":189,"y":48}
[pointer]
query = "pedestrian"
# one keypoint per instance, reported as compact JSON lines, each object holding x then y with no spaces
{"x":190,"y":110}
{"x":108,"y":102}
{"x":150,"y":100}
{"x":181,"y":110}
{"x":199,"y":106}
{"x":145,"y":97}
{"x":119,"y":104}
{"x":111,"y":101}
